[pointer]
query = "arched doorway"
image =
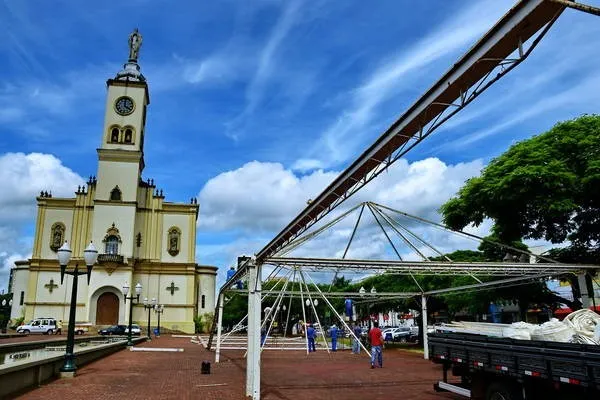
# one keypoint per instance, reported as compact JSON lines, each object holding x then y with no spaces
{"x":107,"y":309}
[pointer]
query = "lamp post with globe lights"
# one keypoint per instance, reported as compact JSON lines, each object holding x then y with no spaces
{"x":159,"y":309}
{"x":313,"y":313}
{"x":149,"y":305}
{"x":90,"y":255}
{"x":138,"y":291}
{"x":5,"y":310}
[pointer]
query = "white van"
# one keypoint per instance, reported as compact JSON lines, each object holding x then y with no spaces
{"x":46,"y":326}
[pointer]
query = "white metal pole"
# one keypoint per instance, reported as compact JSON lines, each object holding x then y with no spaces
{"x":253,"y":346}
{"x":304,"y":317}
{"x":315,"y":311}
{"x":257,"y":299}
{"x":219,"y":326}
{"x":424,"y":326}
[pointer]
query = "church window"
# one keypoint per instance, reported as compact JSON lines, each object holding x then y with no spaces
{"x":115,"y":194}
{"x":112,"y":240}
{"x":114,"y":135}
{"x":57,"y":235}
{"x":22,"y":300}
{"x":112,"y":245}
{"x":203,"y":301}
{"x":128,"y":135}
{"x":174,"y":241}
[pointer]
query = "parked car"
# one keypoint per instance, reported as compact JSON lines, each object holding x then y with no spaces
{"x":113,"y":330}
{"x":82,"y":327}
{"x":403,"y":334}
{"x":45,"y":326}
{"x":135,"y":330}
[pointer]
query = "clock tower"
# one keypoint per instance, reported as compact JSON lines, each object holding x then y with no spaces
{"x":121,"y":152}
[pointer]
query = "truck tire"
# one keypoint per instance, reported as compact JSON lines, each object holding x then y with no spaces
{"x":79,"y":332}
{"x":502,"y":391}
{"x":49,"y":332}
{"x":25,"y":331}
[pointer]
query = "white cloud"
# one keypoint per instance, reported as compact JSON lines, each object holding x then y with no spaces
{"x":23,"y":176}
{"x":261,"y":196}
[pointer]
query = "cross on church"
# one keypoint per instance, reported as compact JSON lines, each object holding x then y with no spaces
{"x":172,"y":288}
{"x":50,"y":286}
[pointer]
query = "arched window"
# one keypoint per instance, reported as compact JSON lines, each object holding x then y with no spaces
{"x":128,"y":135}
{"x":111,"y":245}
{"x":174,"y":241}
{"x":112,"y":240}
{"x":114,"y":135}
{"x":203,"y":301}
{"x":57,"y":236}
{"x":115,"y":194}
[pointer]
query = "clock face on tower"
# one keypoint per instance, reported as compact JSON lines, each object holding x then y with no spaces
{"x":124,"y":105}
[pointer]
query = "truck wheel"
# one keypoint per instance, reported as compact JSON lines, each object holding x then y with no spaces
{"x":25,"y":331}
{"x":79,"y":332}
{"x":49,"y":332}
{"x":502,"y":391}
{"x":402,"y":340}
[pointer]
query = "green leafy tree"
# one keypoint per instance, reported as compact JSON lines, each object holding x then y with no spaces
{"x":546,"y":187}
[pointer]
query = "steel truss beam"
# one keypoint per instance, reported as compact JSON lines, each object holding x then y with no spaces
{"x":297,"y":293}
{"x":502,"y":48}
{"x":430,"y":267}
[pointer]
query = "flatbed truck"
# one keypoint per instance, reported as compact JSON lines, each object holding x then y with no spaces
{"x":493,"y":368}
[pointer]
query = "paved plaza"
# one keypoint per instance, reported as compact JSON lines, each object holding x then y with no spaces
{"x":285,"y":375}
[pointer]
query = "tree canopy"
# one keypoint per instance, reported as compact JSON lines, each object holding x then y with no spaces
{"x":546,"y":187}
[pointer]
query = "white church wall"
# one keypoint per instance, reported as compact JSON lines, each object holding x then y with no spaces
{"x":51,"y":216}
{"x":123,"y":218}
{"x":43,"y":293}
{"x":206,"y":287}
{"x":20,"y":279}
{"x":181,"y":221}
{"x":113,"y":173}
{"x":180,"y":293}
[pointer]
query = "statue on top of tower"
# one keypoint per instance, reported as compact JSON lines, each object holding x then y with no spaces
{"x":135,"y":42}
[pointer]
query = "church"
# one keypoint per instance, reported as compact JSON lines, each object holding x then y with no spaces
{"x":140,"y":237}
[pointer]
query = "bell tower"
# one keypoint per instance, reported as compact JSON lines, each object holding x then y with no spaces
{"x":121,"y":152}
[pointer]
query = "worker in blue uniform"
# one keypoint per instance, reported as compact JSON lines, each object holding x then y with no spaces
{"x":333,"y":332}
{"x":311,"y":334}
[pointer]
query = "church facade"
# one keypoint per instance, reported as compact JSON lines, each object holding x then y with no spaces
{"x":140,"y":237}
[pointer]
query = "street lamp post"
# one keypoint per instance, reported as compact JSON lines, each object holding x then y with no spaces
{"x":90,"y":255}
{"x":159,"y":309}
{"x":138,"y":291}
{"x":149,"y":305}
{"x":4,"y":309}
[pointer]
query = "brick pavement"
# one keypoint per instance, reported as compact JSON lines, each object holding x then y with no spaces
{"x":285,"y":375}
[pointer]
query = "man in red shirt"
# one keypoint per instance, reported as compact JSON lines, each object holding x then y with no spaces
{"x":376,"y":338}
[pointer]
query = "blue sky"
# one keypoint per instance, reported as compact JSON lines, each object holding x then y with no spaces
{"x":263,"y":102}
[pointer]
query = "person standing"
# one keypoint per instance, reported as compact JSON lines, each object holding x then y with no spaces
{"x":356,"y":340}
{"x":376,"y":338}
{"x":263,"y":335}
{"x":333,"y":331}
{"x":59,"y":327}
{"x":311,"y":334}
